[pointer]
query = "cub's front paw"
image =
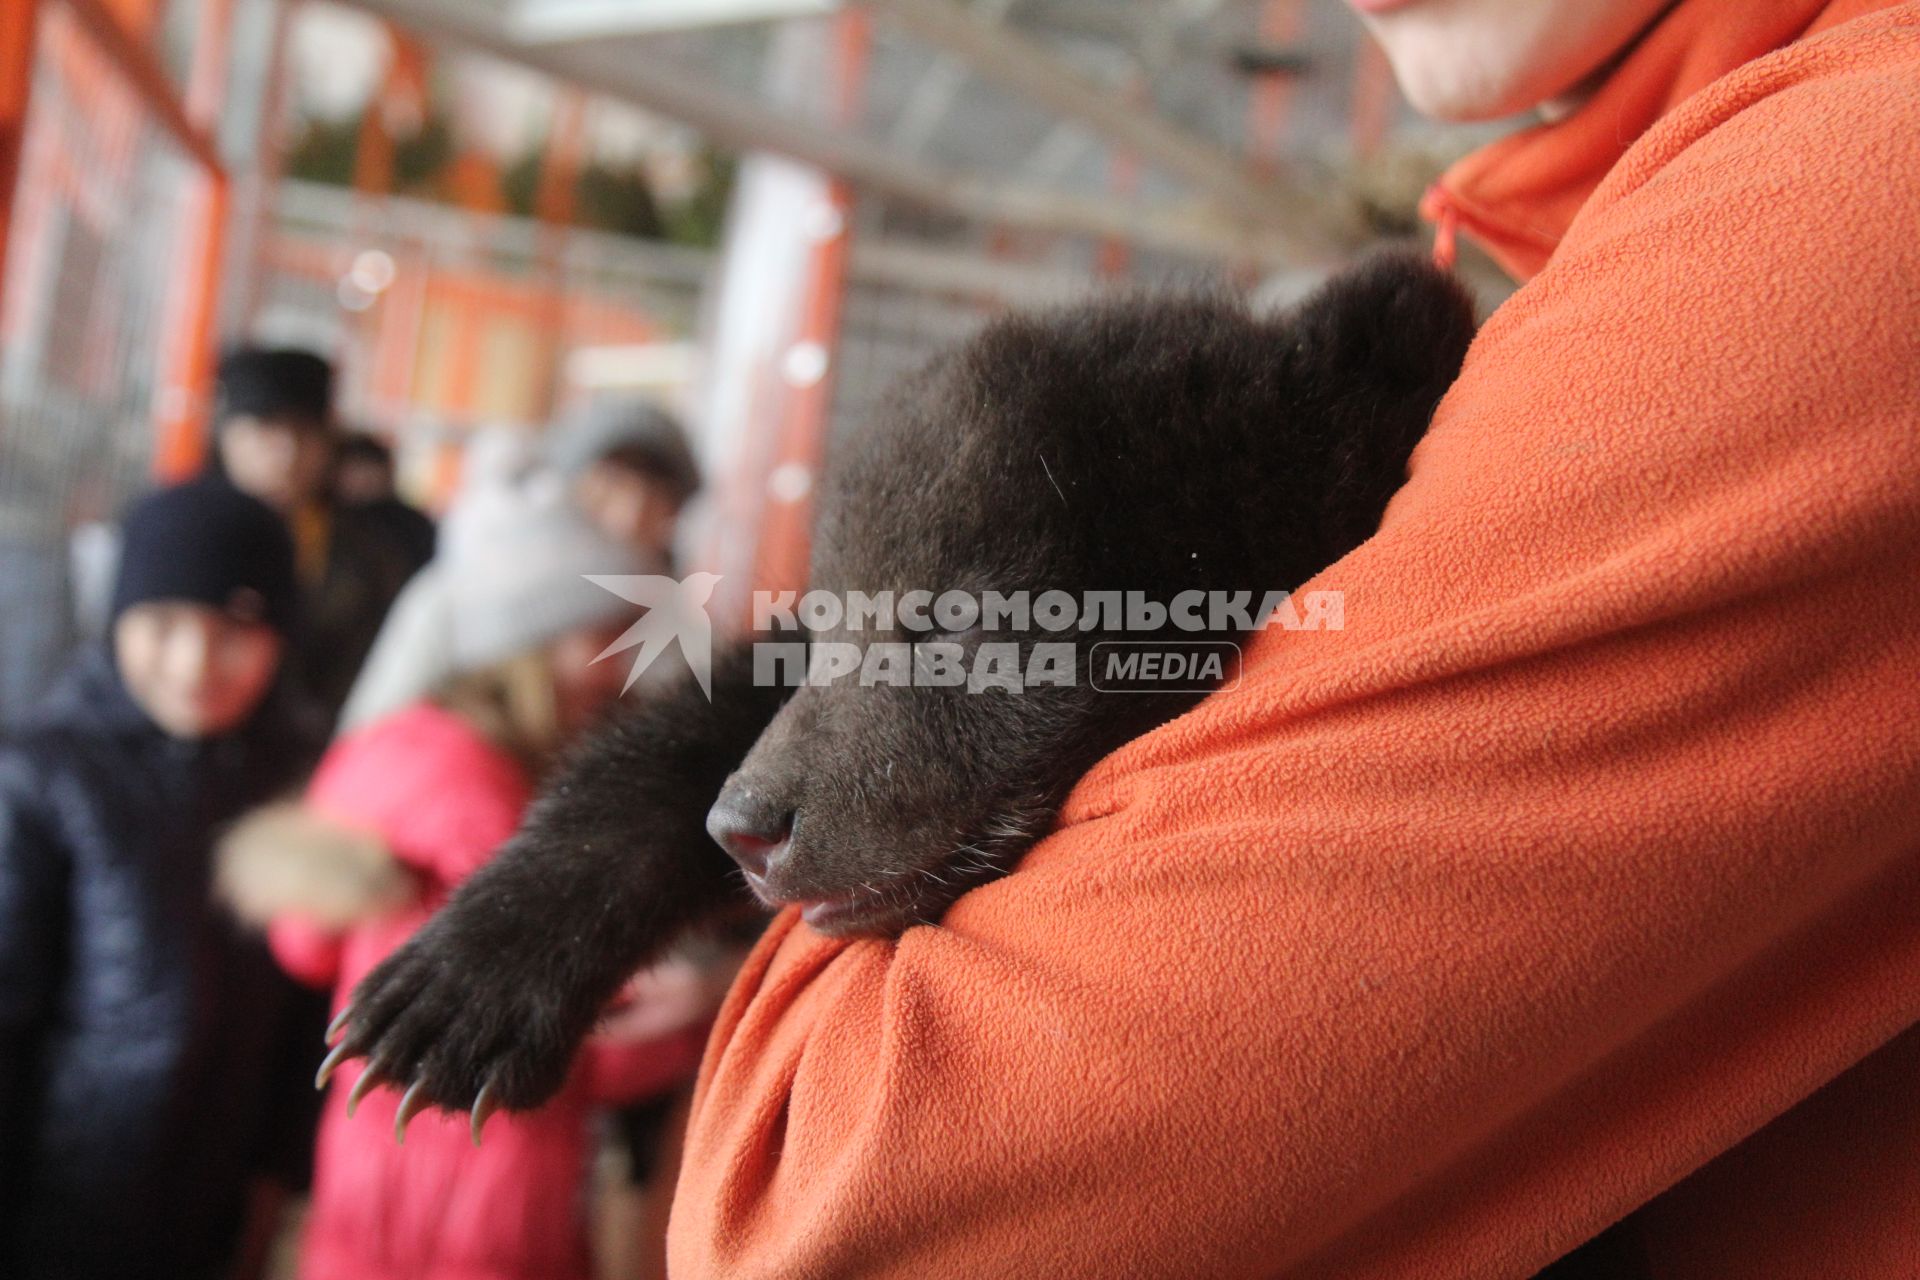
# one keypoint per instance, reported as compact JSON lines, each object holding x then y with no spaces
{"x":463,"y":1020}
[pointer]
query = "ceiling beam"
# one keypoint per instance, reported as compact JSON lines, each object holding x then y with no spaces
{"x":572,"y":21}
{"x":741,"y":123}
{"x":1002,"y":55}
{"x":926,"y":107}
{"x":965,"y":273}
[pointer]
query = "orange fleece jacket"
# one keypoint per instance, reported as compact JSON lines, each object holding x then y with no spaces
{"x":1588,"y":850}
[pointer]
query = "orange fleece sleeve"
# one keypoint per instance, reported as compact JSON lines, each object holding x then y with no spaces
{"x":1585,"y":850}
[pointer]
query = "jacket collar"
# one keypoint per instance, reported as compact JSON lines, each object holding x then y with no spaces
{"x":1518,"y":196}
{"x":90,"y":696}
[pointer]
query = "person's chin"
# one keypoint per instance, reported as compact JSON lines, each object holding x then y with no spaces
{"x":1447,"y":71}
{"x":1438,"y":95}
{"x":186,"y":727}
{"x":195,"y":721}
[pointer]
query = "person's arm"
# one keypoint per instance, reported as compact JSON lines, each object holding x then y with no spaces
{"x":34,"y":906}
{"x":308,"y":952}
{"x":617,"y":1072}
{"x":306,"y":879}
{"x":651,"y":1040}
{"x":1589,"y":847}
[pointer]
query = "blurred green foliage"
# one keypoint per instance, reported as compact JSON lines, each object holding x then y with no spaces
{"x":616,"y":198}
{"x":698,"y":219}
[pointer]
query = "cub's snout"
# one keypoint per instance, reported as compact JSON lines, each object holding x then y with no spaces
{"x":755,"y":829}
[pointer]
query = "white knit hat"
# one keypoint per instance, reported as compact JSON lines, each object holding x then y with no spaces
{"x":507,"y":577}
{"x":632,"y":425}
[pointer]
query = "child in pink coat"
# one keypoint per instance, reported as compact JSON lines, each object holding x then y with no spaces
{"x":488,"y":668}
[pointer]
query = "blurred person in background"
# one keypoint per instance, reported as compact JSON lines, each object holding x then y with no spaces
{"x":363,"y":471}
{"x":631,"y":471}
{"x":151,"y":1056}
{"x":364,"y":479}
{"x":276,"y":438}
{"x":486,"y":670}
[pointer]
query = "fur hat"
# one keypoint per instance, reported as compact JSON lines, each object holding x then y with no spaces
{"x":508,"y":577}
{"x":282,"y":383}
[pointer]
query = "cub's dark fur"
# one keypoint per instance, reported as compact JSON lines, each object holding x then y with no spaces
{"x":1151,"y":445}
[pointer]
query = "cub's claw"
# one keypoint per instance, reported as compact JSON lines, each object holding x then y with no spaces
{"x":340,"y":1053}
{"x":483,"y":1106}
{"x":411,"y":1105}
{"x":339,"y":1024}
{"x":364,"y":1085}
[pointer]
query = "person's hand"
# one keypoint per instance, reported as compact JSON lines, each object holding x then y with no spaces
{"x":670,"y":997}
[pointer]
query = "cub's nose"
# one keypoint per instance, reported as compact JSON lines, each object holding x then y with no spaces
{"x":754,"y":830}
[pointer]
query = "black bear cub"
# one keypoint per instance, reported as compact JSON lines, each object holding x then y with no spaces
{"x":1147,"y":447}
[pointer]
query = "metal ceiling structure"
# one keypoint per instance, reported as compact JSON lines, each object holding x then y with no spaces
{"x":1007,"y":113}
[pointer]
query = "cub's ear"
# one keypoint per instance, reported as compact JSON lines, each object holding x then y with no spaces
{"x":1371,"y":354}
{"x":1394,"y":324}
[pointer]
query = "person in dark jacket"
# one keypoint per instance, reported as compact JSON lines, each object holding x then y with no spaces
{"x":276,"y":438}
{"x":150,"y":1053}
{"x":364,"y":481}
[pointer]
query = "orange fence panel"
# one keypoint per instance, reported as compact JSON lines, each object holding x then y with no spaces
{"x":112,"y":202}
{"x":18,"y":21}
{"x":185,"y":407}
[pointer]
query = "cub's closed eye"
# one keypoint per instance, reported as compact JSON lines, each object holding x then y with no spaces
{"x":971,"y":635}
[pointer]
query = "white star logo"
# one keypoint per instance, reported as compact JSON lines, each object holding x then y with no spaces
{"x":675,"y":610}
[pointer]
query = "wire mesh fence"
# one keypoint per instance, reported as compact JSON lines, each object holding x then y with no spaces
{"x":95,"y":245}
{"x":442,"y":320}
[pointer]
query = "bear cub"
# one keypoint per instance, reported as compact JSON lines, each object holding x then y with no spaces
{"x":1148,"y":446}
